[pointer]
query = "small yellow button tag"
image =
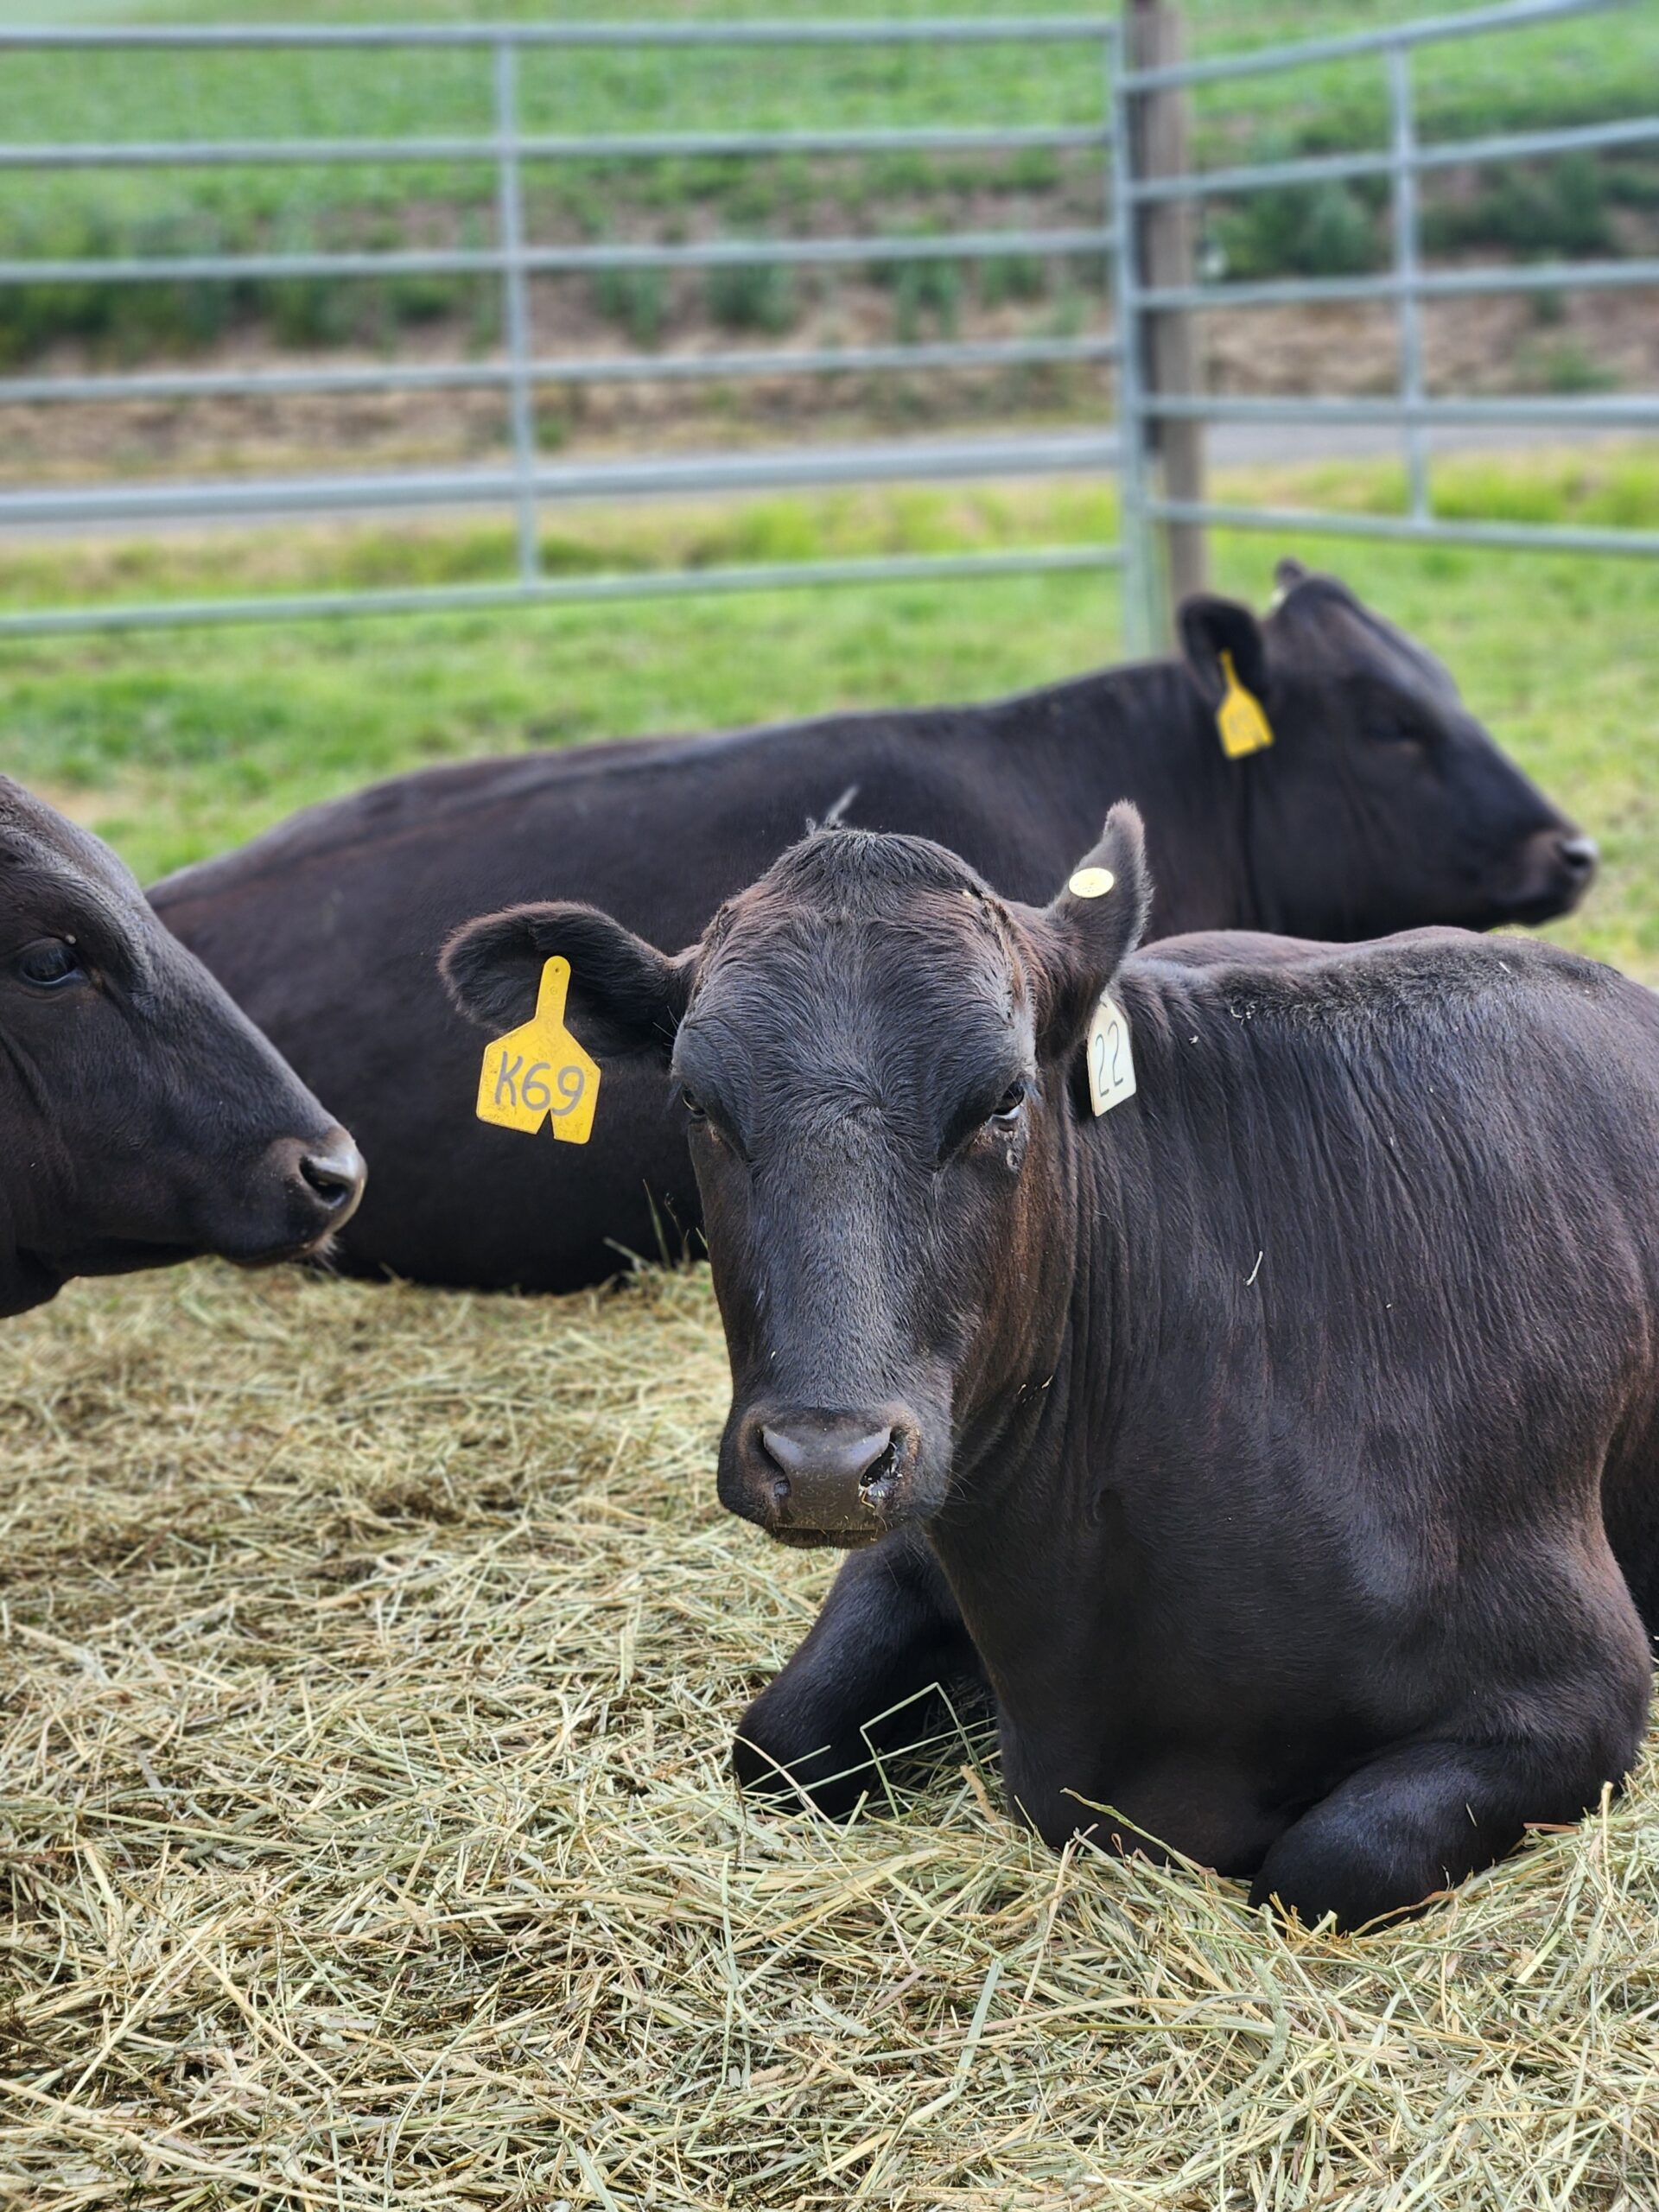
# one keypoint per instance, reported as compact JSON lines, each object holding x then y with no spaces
{"x":539,"y":1070}
{"x":1091,"y":883}
{"x":1111,"y":1063}
{"x":1244,"y":727}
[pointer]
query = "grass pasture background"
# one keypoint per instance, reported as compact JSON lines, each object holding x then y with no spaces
{"x":370,"y":1655}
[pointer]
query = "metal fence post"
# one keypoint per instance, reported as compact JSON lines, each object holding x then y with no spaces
{"x":1406,"y":264}
{"x":1145,"y":615}
{"x":515,"y":305}
{"x":1164,"y":227}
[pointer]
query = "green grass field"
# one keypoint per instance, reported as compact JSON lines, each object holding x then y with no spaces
{"x":1589,"y":67}
{"x":175,"y":746}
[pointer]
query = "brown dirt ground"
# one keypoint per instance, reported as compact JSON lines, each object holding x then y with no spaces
{"x":1485,"y":346}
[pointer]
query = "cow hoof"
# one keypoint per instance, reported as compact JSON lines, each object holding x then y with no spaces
{"x":817,"y":1781}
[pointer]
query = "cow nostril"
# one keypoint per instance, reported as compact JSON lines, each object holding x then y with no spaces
{"x":336,"y":1176}
{"x":830,"y":1450}
{"x":878,"y":1480}
{"x":1580,"y":855}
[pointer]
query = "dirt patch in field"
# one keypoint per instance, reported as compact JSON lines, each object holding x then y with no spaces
{"x":1560,"y":345}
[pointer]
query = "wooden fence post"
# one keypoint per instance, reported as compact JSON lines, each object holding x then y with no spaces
{"x":1170,"y":366}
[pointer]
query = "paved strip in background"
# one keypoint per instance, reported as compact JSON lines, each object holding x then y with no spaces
{"x":1230,"y":445}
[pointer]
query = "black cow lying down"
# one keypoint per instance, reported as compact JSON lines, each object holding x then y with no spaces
{"x":1380,"y":804}
{"x":1287,"y":1433}
{"x":146,"y":1118}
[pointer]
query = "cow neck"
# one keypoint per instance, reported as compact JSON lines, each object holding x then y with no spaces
{"x":1023,"y":1487}
{"x":1030,"y":1518}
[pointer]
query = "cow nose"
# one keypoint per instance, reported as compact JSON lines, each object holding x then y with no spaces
{"x":334,"y":1172}
{"x":831,"y":1470}
{"x":1580,"y":856}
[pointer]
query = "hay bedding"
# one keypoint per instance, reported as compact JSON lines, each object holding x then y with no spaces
{"x":370,"y":1661}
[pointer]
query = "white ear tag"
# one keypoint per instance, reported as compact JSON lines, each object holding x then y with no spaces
{"x":1111,"y":1063}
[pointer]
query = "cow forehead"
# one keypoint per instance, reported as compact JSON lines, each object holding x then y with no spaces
{"x":930,"y":979}
{"x":34,"y":838}
{"x":54,"y":875}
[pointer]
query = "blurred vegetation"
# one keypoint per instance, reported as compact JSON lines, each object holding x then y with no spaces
{"x":758,"y":296}
{"x":1589,"y":69}
{"x":1327,"y":230}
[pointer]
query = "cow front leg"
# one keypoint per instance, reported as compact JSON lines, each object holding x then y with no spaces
{"x":857,"y":1687}
{"x":1418,"y":1820}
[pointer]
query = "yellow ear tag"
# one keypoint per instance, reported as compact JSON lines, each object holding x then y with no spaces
{"x":538,"y":1070}
{"x":1244,"y":727}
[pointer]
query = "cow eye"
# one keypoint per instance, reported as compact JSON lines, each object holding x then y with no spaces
{"x":1391,"y":723}
{"x":47,"y":964}
{"x":697,"y":1113}
{"x":1008,"y":1106}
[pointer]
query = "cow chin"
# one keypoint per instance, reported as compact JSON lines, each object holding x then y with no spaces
{"x":126,"y":1255}
{"x":317,"y":1251}
{"x":119,"y":1255}
{"x":827,"y":1540}
{"x":1532,"y":913}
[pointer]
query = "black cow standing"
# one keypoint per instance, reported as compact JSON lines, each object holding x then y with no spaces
{"x":145,"y":1119}
{"x":1381,"y":803}
{"x":1282,"y":1440}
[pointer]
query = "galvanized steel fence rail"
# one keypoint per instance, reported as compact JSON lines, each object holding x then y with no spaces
{"x":526,"y":482}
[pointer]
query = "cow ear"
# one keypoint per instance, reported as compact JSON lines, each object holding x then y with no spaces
{"x":625,"y":995}
{"x":1090,"y":930}
{"x":1210,"y":627}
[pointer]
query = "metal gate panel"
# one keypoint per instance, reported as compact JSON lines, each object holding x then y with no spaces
{"x":1407,"y":284}
{"x":522,"y":485}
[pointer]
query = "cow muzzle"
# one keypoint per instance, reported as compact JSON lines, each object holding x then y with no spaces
{"x":1557,"y":868}
{"x":812,"y":1476}
{"x":316,"y":1185}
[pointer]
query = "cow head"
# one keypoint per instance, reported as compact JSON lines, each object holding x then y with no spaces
{"x":879,"y":1063}
{"x":146,"y":1120}
{"x":1383,"y":800}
